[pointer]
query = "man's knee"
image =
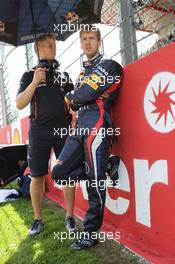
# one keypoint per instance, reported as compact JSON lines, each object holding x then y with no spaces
{"x":37,"y":181}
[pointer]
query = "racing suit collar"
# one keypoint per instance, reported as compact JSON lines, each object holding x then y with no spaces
{"x":91,"y":62}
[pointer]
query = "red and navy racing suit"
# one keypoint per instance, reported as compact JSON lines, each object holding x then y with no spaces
{"x":85,"y":153}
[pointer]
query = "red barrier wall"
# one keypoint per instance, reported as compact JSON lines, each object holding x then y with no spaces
{"x":143,"y":207}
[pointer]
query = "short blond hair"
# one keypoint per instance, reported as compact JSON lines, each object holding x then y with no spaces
{"x":90,"y":28}
{"x":42,"y":38}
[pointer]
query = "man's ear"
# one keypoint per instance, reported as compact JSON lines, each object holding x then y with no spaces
{"x":81,"y":45}
{"x":100,"y":43}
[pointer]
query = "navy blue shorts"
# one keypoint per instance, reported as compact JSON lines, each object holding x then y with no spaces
{"x":41,"y":143}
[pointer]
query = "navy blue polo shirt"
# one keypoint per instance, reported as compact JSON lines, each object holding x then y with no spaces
{"x":47,"y":106}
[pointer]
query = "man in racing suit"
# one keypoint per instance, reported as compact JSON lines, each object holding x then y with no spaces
{"x":86,"y":152}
